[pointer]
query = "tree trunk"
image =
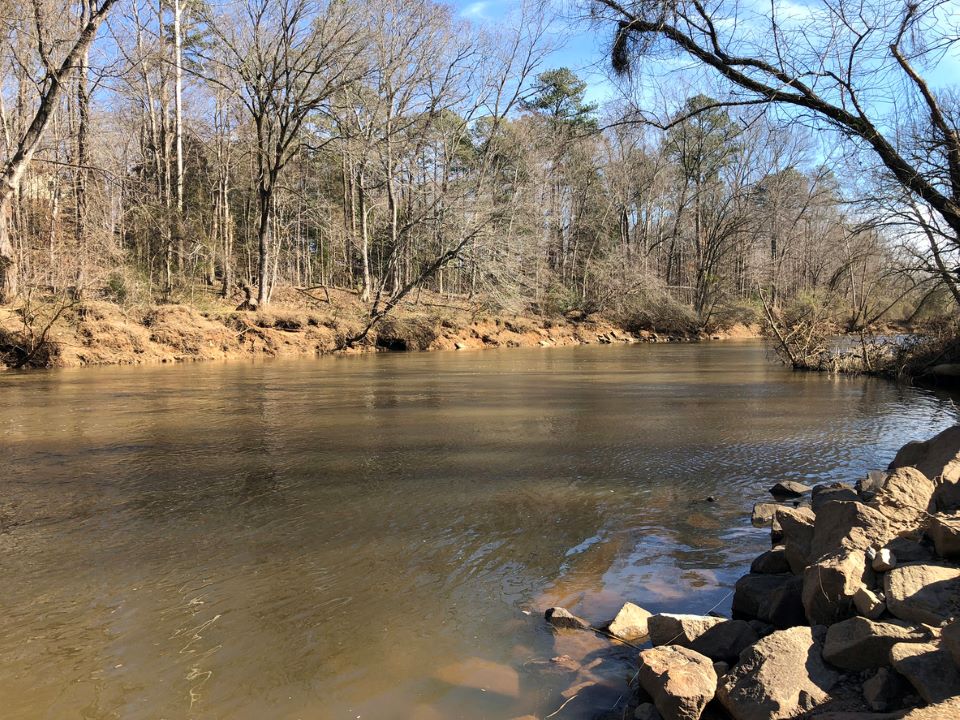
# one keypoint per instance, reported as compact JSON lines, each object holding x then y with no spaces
{"x":83,"y":137}
{"x":178,"y":124}
{"x":9,"y":286}
{"x":364,"y":240}
{"x":263,"y":245}
{"x":17,"y":164}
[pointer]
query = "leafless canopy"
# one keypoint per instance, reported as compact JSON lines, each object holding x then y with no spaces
{"x":861,"y":67}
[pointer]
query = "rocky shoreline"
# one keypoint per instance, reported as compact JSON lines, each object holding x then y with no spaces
{"x":853,"y":614}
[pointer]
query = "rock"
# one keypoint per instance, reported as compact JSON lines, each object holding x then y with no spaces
{"x":884,"y":689}
{"x":946,"y":498}
{"x":721,"y":668}
{"x":761,"y":628}
{"x":786,"y":605}
{"x":947,"y":710}
{"x":460,"y":346}
{"x":859,"y":643}
{"x":907,"y":550}
{"x":830,"y":584}
{"x":562,"y":618}
{"x":848,"y":525}
{"x":630,"y":623}
{"x":944,"y":530}
{"x":672,"y":629}
{"x":873,"y":482}
{"x":789,"y":489}
{"x":868,"y":604}
{"x":724,"y":642}
{"x":763,"y":513}
{"x":797,"y":527}
{"x":936,"y":457}
{"x":950,"y":640}
{"x":716,"y":638}
{"x":822,"y":494}
{"x":884,"y":560}
{"x":905,"y":498}
{"x":774,"y":599}
{"x":681,"y":681}
{"x":928,"y":668}
{"x":781,"y":676}
{"x":647,"y":711}
{"x":923,"y":592}
{"x":776,"y":532}
{"x":772,"y":562}
{"x":751,"y":595}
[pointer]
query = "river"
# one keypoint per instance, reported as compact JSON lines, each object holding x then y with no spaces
{"x":376,"y":536}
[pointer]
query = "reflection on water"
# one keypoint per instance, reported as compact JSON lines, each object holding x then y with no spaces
{"x":360,"y":537}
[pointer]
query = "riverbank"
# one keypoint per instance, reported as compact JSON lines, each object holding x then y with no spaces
{"x":853,"y":613}
{"x":55,"y":334}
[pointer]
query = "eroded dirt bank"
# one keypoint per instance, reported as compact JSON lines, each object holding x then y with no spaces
{"x":97,"y":332}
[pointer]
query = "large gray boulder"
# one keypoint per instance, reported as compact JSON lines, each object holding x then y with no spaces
{"x":824,"y":493}
{"x":884,"y":690}
{"x":937,"y":457}
{"x":860,"y":644}
{"x":871,"y":482}
{"x":848,"y":525}
{"x":923,"y":592}
{"x":630,"y":624}
{"x":773,"y":599}
{"x":763,"y":513}
{"x":786,"y":605}
{"x":908,"y":550}
{"x":928,"y":668}
{"x":725,"y":641}
{"x":717,"y":638}
{"x":905,"y":499}
{"x":781,"y":676}
{"x":946,"y":710}
{"x":771,"y":562}
{"x":681,"y":681}
{"x":946,"y":498}
{"x":797,"y":527}
{"x":944,"y":531}
{"x":830,"y":584}
{"x":950,"y":639}
{"x":675,"y":629}
{"x":789,"y":489}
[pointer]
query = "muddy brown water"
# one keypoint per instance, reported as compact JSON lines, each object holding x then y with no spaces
{"x":376,"y":537}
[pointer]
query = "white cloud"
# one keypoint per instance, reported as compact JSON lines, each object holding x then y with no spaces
{"x":476,"y":10}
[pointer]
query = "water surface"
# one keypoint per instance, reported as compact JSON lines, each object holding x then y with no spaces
{"x":375,"y":537}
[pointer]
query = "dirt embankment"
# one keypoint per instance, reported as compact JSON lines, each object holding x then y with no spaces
{"x":97,"y":332}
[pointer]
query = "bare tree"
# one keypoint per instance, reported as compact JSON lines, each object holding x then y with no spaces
{"x":290,"y":59}
{"x":857,"y":67}
{"x":57,"y":68}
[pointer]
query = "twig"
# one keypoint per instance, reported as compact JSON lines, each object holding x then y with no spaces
{"x":570,"y":700}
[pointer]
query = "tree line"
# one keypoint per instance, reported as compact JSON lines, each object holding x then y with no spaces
{"x":388,"y":146}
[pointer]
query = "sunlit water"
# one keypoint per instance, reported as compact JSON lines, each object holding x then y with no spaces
{"x":361,"y":537}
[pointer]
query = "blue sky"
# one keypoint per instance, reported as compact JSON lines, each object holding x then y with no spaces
{"x":584,"y":48}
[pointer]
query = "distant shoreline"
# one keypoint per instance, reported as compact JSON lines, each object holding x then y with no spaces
{"x":99,"y":333}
